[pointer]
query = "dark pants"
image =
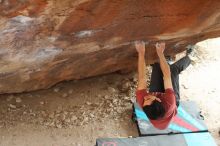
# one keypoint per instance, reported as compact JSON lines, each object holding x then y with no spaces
{"x":157,"y":84}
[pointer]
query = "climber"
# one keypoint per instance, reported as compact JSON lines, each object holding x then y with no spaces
{"x":161,"y":101}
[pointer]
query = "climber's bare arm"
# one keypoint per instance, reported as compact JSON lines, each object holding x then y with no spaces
{"x":160,"y":47}
{"x":140,"y":47}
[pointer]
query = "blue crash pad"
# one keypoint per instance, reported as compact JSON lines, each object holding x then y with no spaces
{"x":189,"y":139}
{"x":187,"y":129}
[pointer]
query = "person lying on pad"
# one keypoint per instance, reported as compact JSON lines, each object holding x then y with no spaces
{"x":161,"y":101}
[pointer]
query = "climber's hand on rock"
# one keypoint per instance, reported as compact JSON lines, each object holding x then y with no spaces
{"x":160,"y":47}
{"x":140,"y":47}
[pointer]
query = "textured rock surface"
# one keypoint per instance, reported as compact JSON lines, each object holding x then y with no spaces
{"x":45,"y":42}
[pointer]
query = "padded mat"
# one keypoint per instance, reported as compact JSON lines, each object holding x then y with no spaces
{"x":189,"y":139}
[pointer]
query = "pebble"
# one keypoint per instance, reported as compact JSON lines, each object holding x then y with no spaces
{"x":56,"y":89}
{"x":10,"y":98}
{"x":32,"y":114}
{"x":86,"y":119}
{"x":185,"y":87}
{"x":112,"y":90}
{"x":135,"y":79}
{"x":88,"y":103}
{"x":119,"y":111}
{"x":126,"y":98}
{"x":65,"y":112}
{"x":67,"y":120}
{"x":18,"y":100}
{"x":62,"y":117}
{"x":30,"y":95}
{"x":106,"y":97}
{"x":70,"y":91}
{"x":73,"y":118}
{"x":65,"y":95}
{"x":52,"y":124}
{"x":91,"y":115}
{"x":57,"y":115}
{"x":59,"y":125}
{"x":42,"y":103}
{"x":43,"y":113}
{"x":115,"y":101}
{"x":125,"y":86}
{"x":51,"y":115}
{"x":12,"y":106}
{"x":46,"y":123}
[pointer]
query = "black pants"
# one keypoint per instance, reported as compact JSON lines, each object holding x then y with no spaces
{"x":157,"y":84}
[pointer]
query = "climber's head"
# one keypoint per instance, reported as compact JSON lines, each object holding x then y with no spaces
{"x":153,"y":107}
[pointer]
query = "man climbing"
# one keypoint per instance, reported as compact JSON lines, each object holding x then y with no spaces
{"x":161,"y":101}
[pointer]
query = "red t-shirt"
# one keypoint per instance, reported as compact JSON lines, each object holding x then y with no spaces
{"x":168,"y":100}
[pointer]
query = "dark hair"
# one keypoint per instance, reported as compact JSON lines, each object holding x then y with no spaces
{"x":155,"y":110}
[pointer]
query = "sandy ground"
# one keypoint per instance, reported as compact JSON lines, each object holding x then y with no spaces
{"x":75,"y":113}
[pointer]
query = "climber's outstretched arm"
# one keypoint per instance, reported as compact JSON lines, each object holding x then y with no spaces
{"x":140,"y":47}
{"x":160,"y":47}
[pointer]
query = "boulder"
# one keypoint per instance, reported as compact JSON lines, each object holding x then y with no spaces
{"x":43,"y":42}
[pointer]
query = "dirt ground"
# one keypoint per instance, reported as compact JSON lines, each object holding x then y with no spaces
{"x":75,"y":113}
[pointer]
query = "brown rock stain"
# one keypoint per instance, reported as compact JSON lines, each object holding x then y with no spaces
{"x":12,"y":8}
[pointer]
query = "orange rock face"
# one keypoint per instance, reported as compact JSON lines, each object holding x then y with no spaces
{"x":43,"y":42}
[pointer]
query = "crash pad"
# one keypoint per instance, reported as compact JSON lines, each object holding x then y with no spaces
{"x":189,"y":139}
